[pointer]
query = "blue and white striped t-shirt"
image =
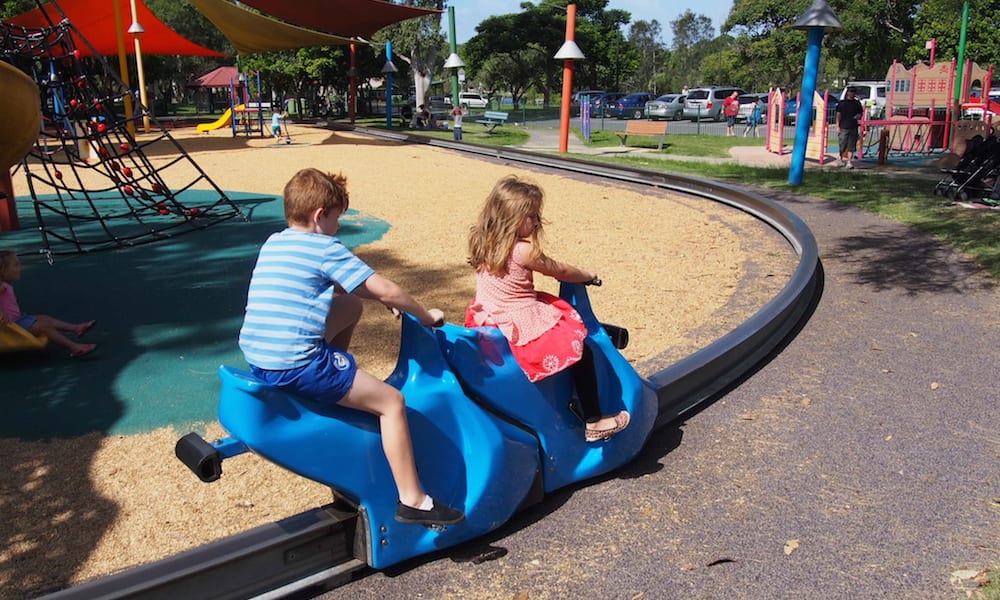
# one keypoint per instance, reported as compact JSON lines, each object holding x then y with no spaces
{"x":290,"y":292}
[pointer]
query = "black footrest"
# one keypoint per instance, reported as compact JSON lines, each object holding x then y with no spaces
{"x":618,"y":335}
{"x":201,"y":457}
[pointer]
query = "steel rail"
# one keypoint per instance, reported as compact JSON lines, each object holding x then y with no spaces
{"x":317,"y":548}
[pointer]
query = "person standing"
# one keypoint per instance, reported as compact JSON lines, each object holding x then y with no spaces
{"x":731,"y":108}
{"x":849,"y":113}
{"x":456,"y":114}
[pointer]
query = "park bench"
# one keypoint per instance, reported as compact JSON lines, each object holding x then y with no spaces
{"x":493,"y":119}
{"x":644,"y":128}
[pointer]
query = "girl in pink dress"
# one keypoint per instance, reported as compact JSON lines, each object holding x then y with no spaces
{"x":545,"y":333}
{"x":52,"y":328}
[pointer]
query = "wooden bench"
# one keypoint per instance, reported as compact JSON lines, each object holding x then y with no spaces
{"x":644,"y":128}
{"x":493,"y":119}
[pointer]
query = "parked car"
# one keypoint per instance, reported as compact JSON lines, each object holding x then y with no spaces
{"x":706,"y":102}
{"x":630,"y":106}
{"x":574,"y":102}
{"x":747,"y":102}
{"x":667,"y":106}
{"x":599,"y":104}
{"x":472,"y":100}
{"x":872,"y":94}
{"x":792,"y":108}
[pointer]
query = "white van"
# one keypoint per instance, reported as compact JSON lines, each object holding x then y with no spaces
{"x":871,"y":94}
{"x":472,"y":100}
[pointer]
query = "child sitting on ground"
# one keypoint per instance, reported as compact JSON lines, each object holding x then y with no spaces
{"x":52,"y":328}
{"x":302,"y":307}
{"x":546,"y":334}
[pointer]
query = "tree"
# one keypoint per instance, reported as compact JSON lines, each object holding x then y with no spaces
{"x":644,"y":36}
{"x":937,"y":19}
{"x":419,"y":43}
{"x":692,"y":36}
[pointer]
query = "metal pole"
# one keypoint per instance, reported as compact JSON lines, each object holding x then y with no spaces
{"x":388,"y":87}
{"x":453,"y":44}
{"x":123,"y":69}
{"x":353,"y":76}
{"x":804,"y":118}
{"x":567,"y":88}
{"x":141,"y":72}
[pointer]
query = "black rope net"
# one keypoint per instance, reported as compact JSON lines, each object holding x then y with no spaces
{"x":92,"y":185}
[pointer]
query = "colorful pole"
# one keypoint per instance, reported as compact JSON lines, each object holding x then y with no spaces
{"x":567,"y":87}
{"x":352,"y":74}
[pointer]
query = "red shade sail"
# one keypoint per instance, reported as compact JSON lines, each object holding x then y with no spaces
{"x":95,"y":20}
{"x":352,"y":18}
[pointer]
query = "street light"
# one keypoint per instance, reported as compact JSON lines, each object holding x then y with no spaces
{"x":136,"y":30}
{"x":567,"y":53}
{"x":388,"y":69}
{"x":817,"y":20}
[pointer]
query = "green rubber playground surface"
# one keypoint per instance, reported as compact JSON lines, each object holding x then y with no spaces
{"x":168,"y":314}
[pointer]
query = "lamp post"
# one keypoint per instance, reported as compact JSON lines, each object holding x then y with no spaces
{"x":388,"y":69}
{"x":567,"y":53}
{"x":137,"y":30}
{"x":454,"y":62}
{"x":352,"y":75}
{"x":818,"y":20}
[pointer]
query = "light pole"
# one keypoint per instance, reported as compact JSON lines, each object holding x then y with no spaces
{"x":136,"y":30}
{"x":454,"y":62}
{"x":388,"y":69}
{"x":567,"y":53}
{"x":818,"y":20}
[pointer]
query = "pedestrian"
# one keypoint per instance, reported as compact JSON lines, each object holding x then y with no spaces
{"x":731,"y":108}
{"x":849,"y":112}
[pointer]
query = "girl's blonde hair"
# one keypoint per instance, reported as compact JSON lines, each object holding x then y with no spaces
{"x":492,"y":238}
{"x":310,"y":189}
{"x":6,"y":260}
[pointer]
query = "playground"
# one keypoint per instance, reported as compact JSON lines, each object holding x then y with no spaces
{"x":94,"y":438}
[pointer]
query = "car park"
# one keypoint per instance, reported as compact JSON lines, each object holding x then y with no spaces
{"x":705,"y":103}
{"x":667,"y":106}
{"x":630,"y":106}
{"x":599,"y":104}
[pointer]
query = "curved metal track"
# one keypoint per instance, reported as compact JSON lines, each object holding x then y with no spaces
{"x":316,"y":548}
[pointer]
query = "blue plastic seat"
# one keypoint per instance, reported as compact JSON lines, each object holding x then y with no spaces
{"x":466,"y":458}
{"x":482,"y":360}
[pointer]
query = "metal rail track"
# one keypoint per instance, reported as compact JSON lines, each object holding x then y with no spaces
{"x":317,"y":548}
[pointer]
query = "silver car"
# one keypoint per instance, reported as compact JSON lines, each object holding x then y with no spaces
{"x":667,"y":106}
{"x":705,"y":103}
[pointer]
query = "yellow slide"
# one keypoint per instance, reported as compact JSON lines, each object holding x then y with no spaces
{"x":223,"y":121}
{"x":20,"y":115}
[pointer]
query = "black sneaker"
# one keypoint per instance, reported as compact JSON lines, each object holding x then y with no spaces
{"x":437,"y":515}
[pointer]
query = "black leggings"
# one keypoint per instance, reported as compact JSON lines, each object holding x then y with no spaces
{"x":585,"y":380}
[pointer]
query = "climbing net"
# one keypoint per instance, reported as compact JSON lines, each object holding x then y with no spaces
{"x":92,"y":185}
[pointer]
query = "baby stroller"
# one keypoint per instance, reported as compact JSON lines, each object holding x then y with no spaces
{"x":975,"y":174}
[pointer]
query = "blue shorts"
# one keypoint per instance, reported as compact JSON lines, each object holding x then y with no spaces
{"x":26,"y":322}
{"x":325,"y":380}
{"x":730,"y":121}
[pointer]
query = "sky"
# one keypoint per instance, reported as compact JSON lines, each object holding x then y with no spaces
{"x":469,"y":13}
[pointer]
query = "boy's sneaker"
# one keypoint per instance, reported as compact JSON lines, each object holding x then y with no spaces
{"x":850,"y":165}
{"x":437,"y":515}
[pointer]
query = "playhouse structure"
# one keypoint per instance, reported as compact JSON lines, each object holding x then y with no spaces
{"x":921,"y":113}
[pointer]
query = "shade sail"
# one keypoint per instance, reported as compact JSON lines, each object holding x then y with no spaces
{"x":95,"y":20}
{"x":250,"y":32}
{"x":353,"y":18}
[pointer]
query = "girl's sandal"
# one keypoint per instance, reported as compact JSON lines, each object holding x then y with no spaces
{"x":603,"y":435}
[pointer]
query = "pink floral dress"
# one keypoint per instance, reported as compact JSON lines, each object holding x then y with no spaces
{"x":545,"y":333}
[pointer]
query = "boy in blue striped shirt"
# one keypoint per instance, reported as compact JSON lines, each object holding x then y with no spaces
{"x":302,"y":307}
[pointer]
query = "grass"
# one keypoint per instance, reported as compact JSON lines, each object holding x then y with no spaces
{"x":471,"y":132}
{"x":902,"y":197}
{"x":711,"y":146}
